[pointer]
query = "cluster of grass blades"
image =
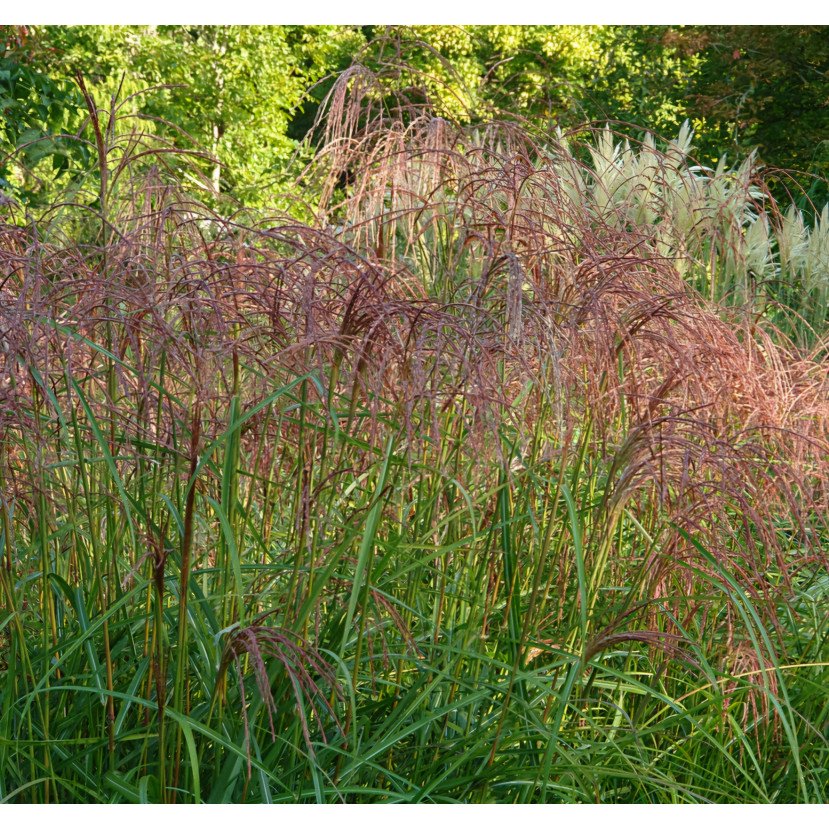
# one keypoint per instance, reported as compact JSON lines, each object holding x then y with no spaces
{"x":460,"y":493}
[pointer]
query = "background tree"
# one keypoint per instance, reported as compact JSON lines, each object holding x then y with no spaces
{"x":764,"y":87}
{"x":247,"y":96}
{"x":227,"y":90}
{"x":39,"y":109}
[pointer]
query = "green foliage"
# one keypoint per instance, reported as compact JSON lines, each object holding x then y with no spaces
{"x":764,"y":87}
{"x":246,"y":96}
{"x":228,"y":91}
{"x":553,"y":75}
{"x":742,"y":88}
{"x":39,"y":113}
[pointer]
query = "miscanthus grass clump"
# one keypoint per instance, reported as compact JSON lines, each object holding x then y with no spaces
{"x":481,"y":486}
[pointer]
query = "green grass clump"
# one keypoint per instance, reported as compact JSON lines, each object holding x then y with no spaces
{"x":464,"y":493}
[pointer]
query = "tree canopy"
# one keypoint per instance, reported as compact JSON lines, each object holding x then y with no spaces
{"x":246,"y":95}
